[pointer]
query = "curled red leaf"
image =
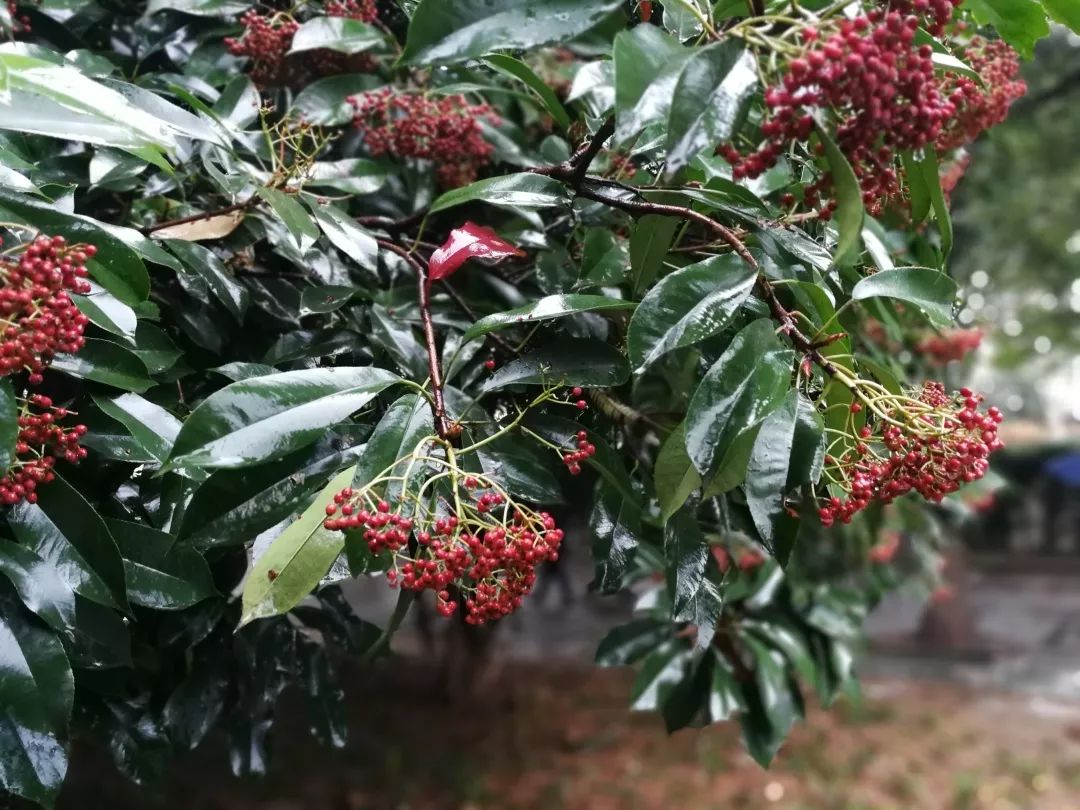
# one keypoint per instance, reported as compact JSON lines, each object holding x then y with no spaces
{"x":470,"y":241}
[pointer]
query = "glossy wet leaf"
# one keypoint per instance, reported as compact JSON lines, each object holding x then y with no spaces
{"x":153,"y":427}
{"x":932,"y":181}
{"x":552,"y":306}
{"x":1021,"y":23}
{"x":470,"y":241}
{"x":773,"y":704}
{"x":292,"y":215}
{"x":329,"y":298}
{"x":932,"y":291}
{"x":154,"y":348}
{"x":708,"y":101}
{"x":688,"y":306}
{"x":296,"y":561}
{"x":107,"y":312}
{"x":42,"y":590}
{"x":351,"y":175}
{"x":104,"y":362}
{"x":347,"y":236}
{"x":686,"y":552}
{"x":326,"y":102}
{"x":162,"y":572}
{"x":648,"y":63}
{"x":660,"y":671}
{"x":339,"y":34}
{"x":675,"y":476}
{"x":232,"y":507}
{"x":583,"y":362}
{"x":264,"y":418}
{"x":608,"y":463}
{"x":615,"y":527}
{"x":37,"y":693}
{"x":789,"y":445}
{"x":629,"y":643}
{"x":746,"y":384}
{"x":64,"y":530}
{"x":205,"y":264}
{"x":518,"y":190}
{"x":523,"y":468}
{"x":455,"y":30}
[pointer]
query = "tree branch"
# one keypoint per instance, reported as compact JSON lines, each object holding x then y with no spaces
{"x":229,"y":209}
{"x":438,"y":404}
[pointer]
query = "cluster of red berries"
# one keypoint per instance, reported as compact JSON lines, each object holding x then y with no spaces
{"x":880,"y":87}
{"x":585,"y":450}
{"x":950,"y":345}
{"x":444,"y":129}
{"x":40,"y":442}
{"x":20,"y":23}
{"x":267,"y":39}
{"x":981,"y":108}
{"x":482,"y":556}
{"x":37,"y":315}
{"x":936,"y":13}
{"x":945,"y":443}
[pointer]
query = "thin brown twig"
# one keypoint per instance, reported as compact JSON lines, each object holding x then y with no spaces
{"x":228,"y":209}
{"x":438,"y":404}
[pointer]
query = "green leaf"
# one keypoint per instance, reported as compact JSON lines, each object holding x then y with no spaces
{"x":292,"y":215}
{"x":40,"y":587}
{"x":329,"y":298}
{"x":519,"y":465}
{"x":552,"y":306}
{"x":37,"y":693}
{"x":675,"y":475}
{"x":604,"y":258}
{"x":1021,"y":23}
{"x":396,"y":435}
{"x":688,"y":306}
{"x":325,"y":102}
{"x":661,"y":670}
{"x":1066,"y":12}
{"x":521,"y":190}
{"x":9,"y":424}
{"x":771,"y":466}
{"x":745,"y":385}
{"x":582,"y":362}
{"x":629,"y":643}
{"x":264,"y":418}
{"x":709,"y":98}
{"x":917,"y":189}
{"x":101,"y":639}
{"x":162,"y":572}
{"x":205,"y":264}
{"x":117,"y":266}
{"x":352,"y":175}
{"x":650,"y":242}
{"x":107,"y":312}
{"x":933,"y":292}
{"x":615,"y":525}
{"x":456,"y":30}
{"x":686,"y":552}
{"x":153,"y":427}
{"x":347,"y":236}
{"x":516,"y":69}
{"x":232,"y":507}
{"x":683,"y":17}
{"x":105,"y":362}
{"x":850,"y":212}
{"x":296,"y":560}
{"x":336,"y":34}
{"x":773,"y":704}
{"x":648,"y":64}
{"x":156,"y":350}
{"x":563,"y":432}
{"x":932,"y":182}
{"x":65,"y":531}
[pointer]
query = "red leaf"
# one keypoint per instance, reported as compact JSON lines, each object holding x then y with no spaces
{"x":470,"y":241}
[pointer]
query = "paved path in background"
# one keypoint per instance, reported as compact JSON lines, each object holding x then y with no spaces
{"x":1031,"y":624}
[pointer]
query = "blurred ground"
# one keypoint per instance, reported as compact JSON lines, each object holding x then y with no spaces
{"x":553,"y":737}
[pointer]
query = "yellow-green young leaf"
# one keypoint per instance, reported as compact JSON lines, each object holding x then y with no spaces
{"x":296,"y":561}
